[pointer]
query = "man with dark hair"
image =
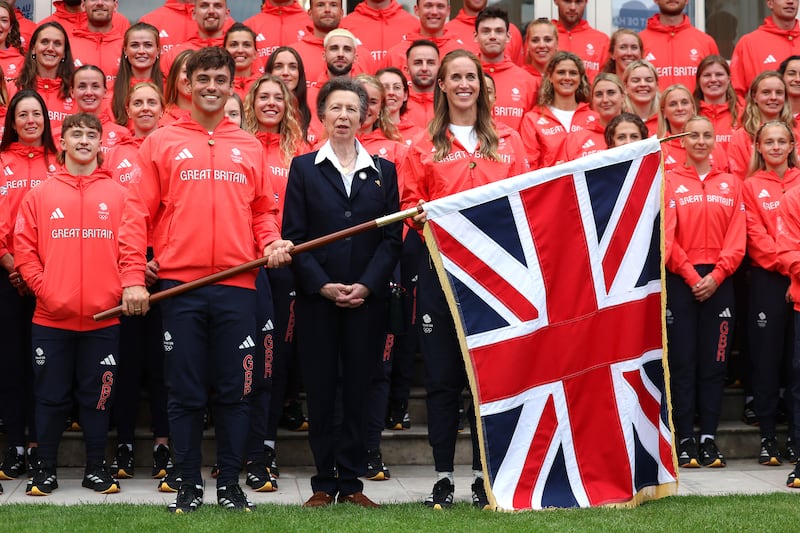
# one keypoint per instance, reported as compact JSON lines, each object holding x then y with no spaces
{"x":463,"y":27}
{"x":515,"y":89}
{"x":99,"y":43}
{"x":432,"y":17}
{"x":71,"y":15}
{"x":210,"y":17}
{"x":422,"y":64}
{"x":204,"y":195}
{"x":175,"y":22}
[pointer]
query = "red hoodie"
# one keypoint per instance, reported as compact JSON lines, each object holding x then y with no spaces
{"x":58,"y":108}
{"x":379,"y":29}
{"x":26,"y":27}
{"x":113,"y":133}
{"x":788,"y":241}
{"x":24,"y":168}
{"x":515,"y":92}
{"x":67,"y":248}
{"x":589,"y":44}
{"x":213,"y":200}
{"x":463,"y":26}
{"x":721,"y":118}
{"x":11,"y":62}
{"x":704,"y":223}
{"x":175,"y":23}
{"x":376,"y":143}
{"x":763,"y":193}
{"x":676,"y":51}
{"x":99,"y":49}
{"x":419,"y":109}
{"x":447,"y":42}
{"x":760,"y":50}
{"x":72,"y":21}
{"x":278,"y":26}
{"x":583,"y":142}
{"x":121,"y":159}
{"x":193,"y":43}
{"x":542,"y":133}
{"x":675,"y":156}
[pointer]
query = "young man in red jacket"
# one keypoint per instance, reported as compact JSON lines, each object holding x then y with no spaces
{"x":67,"y":251}
{"x":203,"y":182}
{"x":576,"y":36}
{"x":175,"y":23}
{"x":210,"y":18}
{"x":674,"y":46}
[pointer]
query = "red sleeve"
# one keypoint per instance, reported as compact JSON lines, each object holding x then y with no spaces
{"x":530,"y":140}
{"x":26,"y":244}
{"x":733,"y":246}
{"x":739,"y":154}
{"x":738,"y":77}
{"x":677,"y":259}
{"x":788,"y":235}
{"x":5,"y":224}
{"x":265,"y":208}
{"x":521,"y":163}
{"x":761,"y":246}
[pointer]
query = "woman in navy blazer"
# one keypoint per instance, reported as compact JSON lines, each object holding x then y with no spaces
{"x":342,"y":287}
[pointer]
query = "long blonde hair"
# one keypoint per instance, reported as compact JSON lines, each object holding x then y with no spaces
{"x":291,"y":133}
{"x":484,"y":126}
{"x":664,"y":126}
{"x":751,"y":117}
{"x":384,"y":120}
{"x":628,"y":105}
{"x":757,"y":160}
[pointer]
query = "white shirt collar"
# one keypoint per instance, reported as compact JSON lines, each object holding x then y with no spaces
{"x":363,"y":159}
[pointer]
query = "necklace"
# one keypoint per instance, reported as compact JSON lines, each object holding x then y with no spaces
{"x":346,"y":164}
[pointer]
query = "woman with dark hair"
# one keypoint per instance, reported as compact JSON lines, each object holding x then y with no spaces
{"x":177,"y":94}
{"x":48,"y":68}
{"x":715,"y":98}
{"x":88,"y":94}
{"x":625,"y":128}
{"x":140,"y":61}
{"x":790,"y":70}
{"x":461,"y":149}
{"x":765,"y":101}
{"x":563,"y":108}
{"x":27,"y":151}
{"x":395,"y":86}
{"x":11,"y":50}
{"x":342,"y":288}
{"x":240,"y":42}
{"x":287,"y":64}
{"x":773,"y":173}
{"x":705,"y":235}
{"x":624,"y":47}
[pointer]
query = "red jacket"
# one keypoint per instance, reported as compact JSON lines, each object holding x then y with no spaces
{"x":447,"y":42}
{"x":26,"y":27}
{"x":516,"y":92}
{"x":760,"y":50}
{"x":704,"y":223}
{"x":67,"y":248}
{"x":58,"y":108}
{"x":112,"y":133}
{"x":419,"y":109}
{"x":720,"y":117}
{"x":175,"y":23}
{"x":278,"y":26}
{"x":542,"y":133}
{"x":102,"y":50}
{"x":11,"y":63}
{"x":122,"y":158}
{"x":379,"y":29}
{"x":72,"y":21}
{"x":426,"y":179}
{"x":788,"y":241}
{"x":675,"y":156}
{"x":173,"y":114}
{"x":24,"y":167}
{"x":408,"y":128}
{"x":376,"y":143}
{"x":211,"y":194}
{"x":763,"y":193}
{"x":583,"y":142}
{"x":193,"y":43}
{"x":589,"y":44}
{"x":277,"y":168}
{"x":676,"y":51}
{"x":311,"y":49}
{"x":463,"y":26}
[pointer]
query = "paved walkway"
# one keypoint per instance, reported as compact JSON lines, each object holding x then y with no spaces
{"x":408,"y":484}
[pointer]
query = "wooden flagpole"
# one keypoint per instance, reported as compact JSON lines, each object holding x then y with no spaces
{"x":261,"y":261}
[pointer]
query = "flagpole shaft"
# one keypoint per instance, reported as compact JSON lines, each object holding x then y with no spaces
{"x":676,"y":136}
{"x":261,"y":261}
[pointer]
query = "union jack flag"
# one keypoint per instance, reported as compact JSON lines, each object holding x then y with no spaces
{"x":554,"y":278}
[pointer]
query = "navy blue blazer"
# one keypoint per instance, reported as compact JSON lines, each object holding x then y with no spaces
{"x":316,"y":205}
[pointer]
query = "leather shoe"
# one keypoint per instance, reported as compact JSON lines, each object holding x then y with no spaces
{"x":319,"y":499}
{"x":360,"y":499}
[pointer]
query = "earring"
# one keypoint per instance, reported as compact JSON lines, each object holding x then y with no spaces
{"x":62,"y":60}
{"x":33,"y":56}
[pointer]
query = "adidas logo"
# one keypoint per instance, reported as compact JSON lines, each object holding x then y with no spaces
{"x":247,"y":343}
{"x":124,"y":164}
{"x":109,"y":360}
{"x":763,"y":194}
{"x":163,"y":33}
{"x":79,"y":64}
{"x":8,"y":172}
{"x":670,"y":160}
{"x":184,"y":154}
{"x":726,"y":313}
{"x":681,"y":189}
{"x":542,"y":121}
{"x":260,"y":38}
{"x":588,"y":144}
{"x":770,"y":59}
{"x":650,"y":56}
{"x":268,"y":326}
{"x":56,"y":214}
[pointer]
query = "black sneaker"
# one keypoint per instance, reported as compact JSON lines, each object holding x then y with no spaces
{"x":189,"y":499}
{"x":13,"y":465}
{"x":687,"y":454}
{"x":397,"y":416}
{"x":272,"y":461}
{"x":442,"y":495}
{"x":43,"y":482}
{"x":749,"y":414}
{"x":32,"y":457}
{"x":259,"y":478}
{"x":793,"y":481}
{"x":122,"y":466}
{"x":172,"y":482}
{"x":710,"y":456}
{"x":162,"y":461}
{"x":790,"y":453}
{"x":232,"y":497}
{"x":376,"y":470}
{"x":479,"y":498}
{"x":770,"y":455}
{"x":293,"y":418}
{"x":99,"y":479}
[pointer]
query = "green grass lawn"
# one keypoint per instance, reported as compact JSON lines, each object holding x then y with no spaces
{"x":773,"y":512}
